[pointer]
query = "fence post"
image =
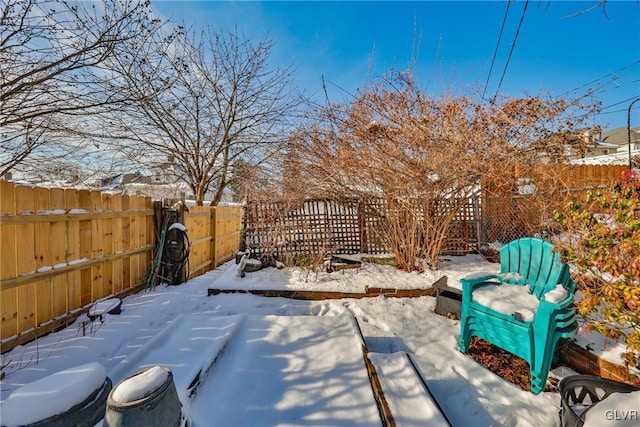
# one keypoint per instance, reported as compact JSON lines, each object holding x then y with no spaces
{"x":214,"y":238}
{"x":362,"y":225}
{"x":477,"y":214}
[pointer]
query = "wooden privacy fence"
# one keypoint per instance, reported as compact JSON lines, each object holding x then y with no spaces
{"x":214,"y":233}
{"x":508,"y":215}
{"x":61,"y":250}
{"x":321,"y":226}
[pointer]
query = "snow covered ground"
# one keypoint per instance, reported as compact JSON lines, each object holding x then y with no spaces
{"x":274,"y":361}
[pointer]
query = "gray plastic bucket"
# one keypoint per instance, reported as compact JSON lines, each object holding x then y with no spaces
{"x":160,"y":408}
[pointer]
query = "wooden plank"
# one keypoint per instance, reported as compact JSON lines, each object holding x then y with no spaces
{"x":85,"y":247}
{"x":126,"y":244}
{"x":107,"y":245}
{"x":97,"y":249}
{"x":20,"y":280}
{"x":72,"y":286}
{"x":134,"y":237}
{"x":150,"y":236}
{"x":25,"y":247}
{"x":76,"y":215}
{"x":8,"y":264}
{"x":116,"y":230}
{"x":44,"y":290}
{"x":143,"y":266}
{"x":61,"y":234}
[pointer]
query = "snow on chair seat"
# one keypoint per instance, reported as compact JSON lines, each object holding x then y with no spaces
{"x":527,"y":322}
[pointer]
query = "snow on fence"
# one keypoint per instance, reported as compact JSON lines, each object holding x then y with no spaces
{"x":214,"y":233}
{"x":63,"y":249}
{"x":321,"y":226}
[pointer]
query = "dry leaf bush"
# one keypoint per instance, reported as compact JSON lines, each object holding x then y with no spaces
{"x":424,"y":156}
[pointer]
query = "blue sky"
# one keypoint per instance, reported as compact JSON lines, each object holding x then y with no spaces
{"x":452,"y":43}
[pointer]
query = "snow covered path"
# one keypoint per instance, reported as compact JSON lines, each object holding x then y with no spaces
{"x":468,"y":393}
{"x":289,"y":370}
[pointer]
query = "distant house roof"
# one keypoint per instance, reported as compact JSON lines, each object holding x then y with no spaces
{"x":619,"y":136}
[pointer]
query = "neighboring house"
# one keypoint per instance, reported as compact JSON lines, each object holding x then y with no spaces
{"x":612,"y":148}
{"x":160,"y":185}
{"x":135,"y":184}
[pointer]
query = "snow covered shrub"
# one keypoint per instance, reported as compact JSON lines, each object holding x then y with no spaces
{"x":604,"y":246}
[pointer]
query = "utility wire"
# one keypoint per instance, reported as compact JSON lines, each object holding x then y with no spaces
{"x":621,"y":102}
{"x":605,"y":76}
{"x":495,"y":52}
{"x":513,"y":45}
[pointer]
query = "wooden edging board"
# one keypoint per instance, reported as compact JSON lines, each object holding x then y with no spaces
{"x":326,"y":295}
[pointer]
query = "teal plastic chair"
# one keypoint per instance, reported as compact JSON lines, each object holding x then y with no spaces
{"x":540,"y":269}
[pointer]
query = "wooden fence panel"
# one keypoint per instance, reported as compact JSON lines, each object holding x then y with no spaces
{"x":25,"y":250}
{"x":107,"y":245}
{"x":117,"y":273}
{"x":198,"y":222}
{"x":44,"y":294}
{"x":214,"y":233}
{"x":8,"y":264}
{"x":126,"y":245}
{"x":86,"y":245}
{"x":64,"y":245}
{"x":226,"y":233}
{"x":508,"y":215}
{"x":60,"y":250}
{"x":339,"y":227}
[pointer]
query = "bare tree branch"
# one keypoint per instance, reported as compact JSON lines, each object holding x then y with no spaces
{"x":206,"y":100}
{"x":52,"y":54}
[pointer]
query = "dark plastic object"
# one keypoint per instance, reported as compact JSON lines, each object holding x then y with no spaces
{"x":161,"y":408}
{"x":448,"y":299}
{"x":85,"y":414}
{"x":585,"y":391}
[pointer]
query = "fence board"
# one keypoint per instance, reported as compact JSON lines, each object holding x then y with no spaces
{"x":107,"y":245}
{"x":86,"y":245}
{"x":8,"y":264}
{"x":118,"y":247}
{"x":25,"y":249}
{"x":62,"y":234}
{"x":44,"y":294}
{"x":97,"y":250}
{"x":507,"y":215}
{"x":126,"y":245}
{"x":226,"y":233}
{"x":60,"y":250}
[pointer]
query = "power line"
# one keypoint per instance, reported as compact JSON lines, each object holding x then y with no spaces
{"x":495,"y":52}
{"x":620,"y":102}
{"x":513,"y":45}
{"x":603,"y":77}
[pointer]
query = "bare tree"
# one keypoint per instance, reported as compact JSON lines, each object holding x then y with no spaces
{"x":424,"y":157}
{"x":51,"y":54}
{"x":207,"y":100}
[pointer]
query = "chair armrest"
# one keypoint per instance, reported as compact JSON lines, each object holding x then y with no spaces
{"x":473,"y":282}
